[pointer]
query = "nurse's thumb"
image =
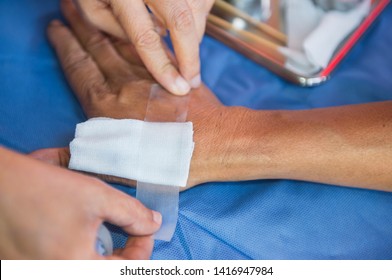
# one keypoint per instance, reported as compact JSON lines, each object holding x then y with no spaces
{"x":128,"y":213}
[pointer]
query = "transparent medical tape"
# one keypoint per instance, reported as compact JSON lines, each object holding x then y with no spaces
{"x":162,"y":107}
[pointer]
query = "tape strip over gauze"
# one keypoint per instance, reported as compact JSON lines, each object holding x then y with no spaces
{"x":164,"y":107}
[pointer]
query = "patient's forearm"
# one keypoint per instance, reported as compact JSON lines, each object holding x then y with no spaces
{"x":348,"y":145}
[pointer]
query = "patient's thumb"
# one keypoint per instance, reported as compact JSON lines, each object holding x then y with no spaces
{"x":54,"y":156}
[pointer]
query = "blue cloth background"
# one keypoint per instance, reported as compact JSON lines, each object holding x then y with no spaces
{"x":275,"y":219}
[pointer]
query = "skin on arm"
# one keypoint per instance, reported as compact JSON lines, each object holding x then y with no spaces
{"x":185,"y":19}
{"x":347,"y":146}
{"x":47,"y":212}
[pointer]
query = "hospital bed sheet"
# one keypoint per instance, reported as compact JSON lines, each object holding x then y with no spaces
{"x":264,"y":219}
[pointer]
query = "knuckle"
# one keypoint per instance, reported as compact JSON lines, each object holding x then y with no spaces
{"x":64,"y":157}
{"x":148,"y":39}
{"x":182,"y":19}
{"x":95,"y":41}
{"x":96,"y":91}
{"x":76,"y":60}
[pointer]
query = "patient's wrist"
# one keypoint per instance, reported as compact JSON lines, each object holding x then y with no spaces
{"x":250,"y":145}
{"x":238,"y":148}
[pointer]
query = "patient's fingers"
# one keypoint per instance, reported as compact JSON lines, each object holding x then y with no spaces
{"x":101,"y":16}
{"x":54,"y":156}
{"x":81,"y":70}
{"x":127,"y":51}
{"x":62,"y":156}
{"x":96,"y":44}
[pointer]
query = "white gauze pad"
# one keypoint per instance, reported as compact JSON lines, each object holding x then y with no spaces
{"x":118,"y":148}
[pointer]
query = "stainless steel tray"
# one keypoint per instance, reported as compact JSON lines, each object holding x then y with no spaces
{"x":260,"y":41}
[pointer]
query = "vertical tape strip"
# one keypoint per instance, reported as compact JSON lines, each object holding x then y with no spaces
{"x":163,"y":107}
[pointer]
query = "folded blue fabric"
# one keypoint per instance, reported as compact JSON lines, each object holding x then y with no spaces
{"x":270,"y":219}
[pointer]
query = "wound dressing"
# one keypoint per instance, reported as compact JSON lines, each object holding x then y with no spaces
{"x":155,"y":152}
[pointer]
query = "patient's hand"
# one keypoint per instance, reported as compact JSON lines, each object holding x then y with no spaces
{"x":109,"y":80}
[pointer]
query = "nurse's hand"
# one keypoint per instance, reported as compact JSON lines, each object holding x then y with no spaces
{"x":130,"y":19}
{"x":109,"y":80}
{"x":48,"y":212}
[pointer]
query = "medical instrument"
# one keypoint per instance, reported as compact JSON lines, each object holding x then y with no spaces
{"x":287,"y":45}
{"x":340,"y":5}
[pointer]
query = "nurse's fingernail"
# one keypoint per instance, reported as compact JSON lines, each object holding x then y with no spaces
{"x":157,"y":217}
{"x":181,"y":86}
{"x":196,"y":81}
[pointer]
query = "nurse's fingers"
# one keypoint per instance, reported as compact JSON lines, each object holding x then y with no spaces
{"x":96,"y":44}
{"x":80,"y":69}
{"x":136,"y":248}
{"x":200,"y":12}
{"x":118,"y":208}
{"x":179,"y":19}
{"x":100,"y":14}
{"x":127,"y":212}
{"x":129,"y":53}
{"x":137,"y":23}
